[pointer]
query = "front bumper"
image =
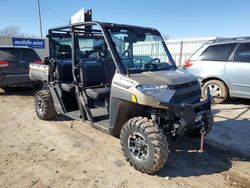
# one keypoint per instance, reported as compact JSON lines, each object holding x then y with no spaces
{"x":191,"y":116}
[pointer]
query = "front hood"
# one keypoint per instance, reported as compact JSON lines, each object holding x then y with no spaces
{"x":166,"y":77}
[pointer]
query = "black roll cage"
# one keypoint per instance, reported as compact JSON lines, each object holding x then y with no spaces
{"x":85,"y":28}
{"x":75,"y":30}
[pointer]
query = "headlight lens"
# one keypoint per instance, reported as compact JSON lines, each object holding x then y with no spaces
{"x":150,"y":89}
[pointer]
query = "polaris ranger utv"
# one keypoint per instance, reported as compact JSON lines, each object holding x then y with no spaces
{"x":122,"y":80}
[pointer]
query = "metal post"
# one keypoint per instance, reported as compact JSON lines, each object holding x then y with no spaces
{"x":181,"y":53}
{"x":40,"y":20}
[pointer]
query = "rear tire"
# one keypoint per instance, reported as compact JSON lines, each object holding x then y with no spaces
{"x":6,"y":89}
{"x":144,"y":145}
{"x":44,"y":105}
{"x":218,"y":90}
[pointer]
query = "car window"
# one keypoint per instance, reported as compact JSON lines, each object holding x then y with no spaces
{"x":28,"y":54}
{"x":8,"y":53}
{"x":219,"y":52}
{"x":243,"y":53}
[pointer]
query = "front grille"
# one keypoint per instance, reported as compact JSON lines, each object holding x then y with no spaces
{"x":180,"y":86}
{"x":187,"y":93}
{"x":191,"y":97}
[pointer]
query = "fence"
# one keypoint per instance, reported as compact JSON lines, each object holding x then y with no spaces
{"x":182,"y":49}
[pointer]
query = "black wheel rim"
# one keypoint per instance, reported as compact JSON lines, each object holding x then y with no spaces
{"x":138,"y":146}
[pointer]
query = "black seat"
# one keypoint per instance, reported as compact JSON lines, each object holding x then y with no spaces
{"x":64,"y":52}
{"x":64,"y":68}
{"x":109,"y":68}
{"x":69,"y":87}
{"x":98,"y":93}
{"x":64,"y":75}
{"x":64,"y":64}
{"x":98,"y":74}
{"x":93,"y":73}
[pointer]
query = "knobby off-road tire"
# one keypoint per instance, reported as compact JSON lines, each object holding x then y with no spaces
{"x":141,"y":133}
{"x":44,"y":105}
{"x":218,"y":87}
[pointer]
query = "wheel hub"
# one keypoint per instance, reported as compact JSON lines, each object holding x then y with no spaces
{"x":215,"y":90}
{"x":138,"y":146}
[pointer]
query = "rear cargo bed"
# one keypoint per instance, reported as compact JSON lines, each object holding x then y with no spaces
{"x":39,"y":72}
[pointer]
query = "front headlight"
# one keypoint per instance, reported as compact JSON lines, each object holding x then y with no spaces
{"x":150,"y":89}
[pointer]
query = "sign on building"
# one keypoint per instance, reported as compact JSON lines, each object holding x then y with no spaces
{"x":32,"y":43}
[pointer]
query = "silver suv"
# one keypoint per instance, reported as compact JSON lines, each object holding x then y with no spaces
{"x":223,"y":66}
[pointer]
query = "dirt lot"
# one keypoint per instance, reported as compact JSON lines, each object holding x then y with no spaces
{"x":66,"y":153}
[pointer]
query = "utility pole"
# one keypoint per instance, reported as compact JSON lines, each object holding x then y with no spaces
{"x":40,"y":19}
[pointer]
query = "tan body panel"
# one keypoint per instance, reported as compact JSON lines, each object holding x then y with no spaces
{"x":127,"y":85}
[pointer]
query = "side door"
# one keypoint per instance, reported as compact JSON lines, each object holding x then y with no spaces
{"x":9,"y":58}
{"x":27,"y":56}
{"x":238,"y":71}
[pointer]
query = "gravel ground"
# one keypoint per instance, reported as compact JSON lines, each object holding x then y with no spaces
{"x":232,"y":128}
{"x":67,"y":153}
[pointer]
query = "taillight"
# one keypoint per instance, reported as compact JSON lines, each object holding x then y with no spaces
{"x":188,"y":63}
{"x":38,"y":62}
{"x":4,"y":63}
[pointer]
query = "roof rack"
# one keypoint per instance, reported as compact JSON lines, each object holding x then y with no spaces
{"x":221,"y":39}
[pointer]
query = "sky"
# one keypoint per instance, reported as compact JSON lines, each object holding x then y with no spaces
{"x":175,"y":18}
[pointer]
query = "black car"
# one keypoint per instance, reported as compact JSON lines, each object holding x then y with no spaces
{"x":14,"y":66}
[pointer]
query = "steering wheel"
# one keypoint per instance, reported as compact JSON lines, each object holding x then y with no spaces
{"x":152,"y":60}
{"x":150,"y":65}
{"x":124,"y":53}
{"x":140,"y":65}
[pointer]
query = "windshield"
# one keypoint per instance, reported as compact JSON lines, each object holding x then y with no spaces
{"x":141,"y":50}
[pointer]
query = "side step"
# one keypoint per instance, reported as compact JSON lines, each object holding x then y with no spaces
{"x":99,"y":127}
{"x":74,"y":114}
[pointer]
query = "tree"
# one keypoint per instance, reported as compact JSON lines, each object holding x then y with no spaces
{"x":13,"y":31}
